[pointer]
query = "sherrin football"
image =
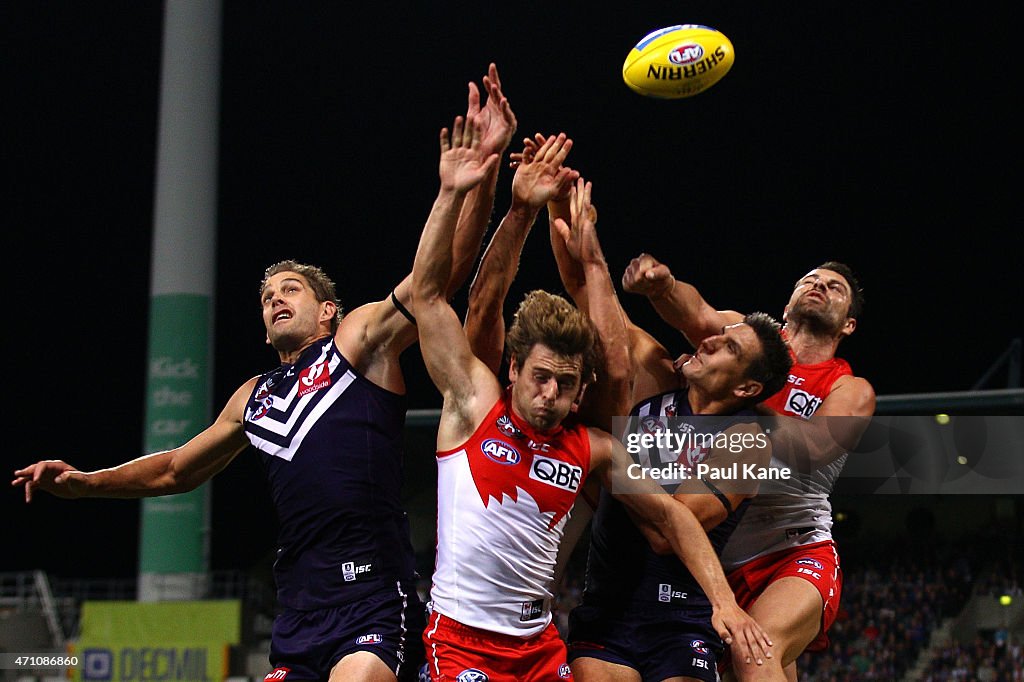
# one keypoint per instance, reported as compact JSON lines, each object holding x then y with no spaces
{"x":678,"y":61}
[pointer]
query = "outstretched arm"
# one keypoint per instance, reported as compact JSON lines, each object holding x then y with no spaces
{"x":834,"y":430}
{"x":678,"y":303}
{"x":374,"y":335}
{"x":163,"y":473}
{"x":578,"y":240}
{"x":533,"y":185}
{"x":497,"y":126}
{"x":466,"y":384}
{"x":689,"y":542}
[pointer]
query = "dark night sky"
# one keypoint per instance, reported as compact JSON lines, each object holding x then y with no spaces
{"x":879,"y":134}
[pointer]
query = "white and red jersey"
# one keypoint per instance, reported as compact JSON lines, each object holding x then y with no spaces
{"x":503,"y":498}
{"x":795,"y":512}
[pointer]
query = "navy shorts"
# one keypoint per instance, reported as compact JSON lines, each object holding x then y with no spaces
{"x":656,"y":642}
{"x":305,"y":645}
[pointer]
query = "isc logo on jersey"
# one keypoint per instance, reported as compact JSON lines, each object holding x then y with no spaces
{"x":555,"y":472}
{"x":500,"y":451}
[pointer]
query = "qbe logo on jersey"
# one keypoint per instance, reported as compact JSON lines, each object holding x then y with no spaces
{"x":802,"y":403}
{"x":556,"y":473}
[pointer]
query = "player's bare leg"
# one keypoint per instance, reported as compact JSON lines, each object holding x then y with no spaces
{"x":361,"y":666}
{"x":790,"y":611}
{"x":586,"y":669}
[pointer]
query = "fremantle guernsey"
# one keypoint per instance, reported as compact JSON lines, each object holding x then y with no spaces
{"x":622,"y":569}
{"x":503,"y":499}
{"x":330,"y":441}
{"x":794,"y":512}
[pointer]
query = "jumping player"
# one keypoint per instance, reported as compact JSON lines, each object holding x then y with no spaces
{"x":642,"y":616}
{"x":510,"y":467}
{"x":328,"y":425}
{"x":782,"y":561}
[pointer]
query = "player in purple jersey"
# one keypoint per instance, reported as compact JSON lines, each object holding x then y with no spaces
{"x":344,"y":568}
{"x":643,"y":616}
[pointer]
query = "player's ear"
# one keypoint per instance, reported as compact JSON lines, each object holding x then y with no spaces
{"x":579,"y":396}
{"x":328,"y":311}
{"x":513,"y":368}
{"x":849,"y":326}
{"x":748,"y":389}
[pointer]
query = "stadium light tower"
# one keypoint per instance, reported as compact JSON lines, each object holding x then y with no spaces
{"x":174,"y":531}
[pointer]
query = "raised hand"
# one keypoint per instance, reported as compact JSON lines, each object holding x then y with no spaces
{"x":462,"y":165}
{"x":530,"y":147}
{"x":544,"y":178}
{"x":497,"y":122}
{"x":581,"y":236}
{"x":646,"y":276}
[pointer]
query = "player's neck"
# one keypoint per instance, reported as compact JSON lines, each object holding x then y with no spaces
{"x":811,"y":348}
{"x":703,"y":403}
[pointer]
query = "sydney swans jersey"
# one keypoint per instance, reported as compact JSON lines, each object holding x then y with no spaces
{"x":622,"y":569}
{"x":502,"y":502}
{"x":794,"y":512}
{"x":330,"y":441}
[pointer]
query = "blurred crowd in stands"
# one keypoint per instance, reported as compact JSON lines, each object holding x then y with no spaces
{"x":895,"y":594}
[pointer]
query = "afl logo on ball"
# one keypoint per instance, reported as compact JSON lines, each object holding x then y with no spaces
{"x":687,"y":53}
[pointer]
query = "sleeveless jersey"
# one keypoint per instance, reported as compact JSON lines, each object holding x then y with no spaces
{"x":503,"y":499}
{"x":794,"y":512}
{"x":622,"y":569}
{"x":330,"y":441}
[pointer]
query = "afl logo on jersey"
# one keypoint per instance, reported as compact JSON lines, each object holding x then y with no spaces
{"x":699,"y":646}
{"x":264,"y":390}
{"x":652,"y":424}
{"x":313,"y":378}
{"x":374,"y":638}
{"x":811,"y":562}
{"x":500,"y":451}
{"x":264,"y":407}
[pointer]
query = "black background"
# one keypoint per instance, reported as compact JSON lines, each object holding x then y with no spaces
{"x":879,"y":134}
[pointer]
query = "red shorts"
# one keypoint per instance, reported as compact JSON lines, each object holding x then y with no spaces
{"x":817,"y":563}
{"x":454,"y":649}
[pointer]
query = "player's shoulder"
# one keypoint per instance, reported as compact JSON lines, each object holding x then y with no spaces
{"x":855,"y":393}
{"x":601,"y":444}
